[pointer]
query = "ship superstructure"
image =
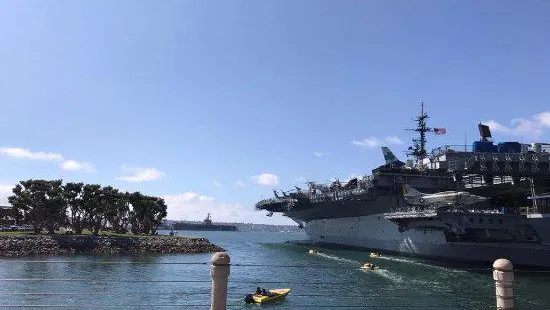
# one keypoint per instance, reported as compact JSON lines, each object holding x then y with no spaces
{"x":373,"y":211}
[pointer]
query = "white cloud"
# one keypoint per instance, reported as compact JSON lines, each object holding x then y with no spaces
{"x":265,"y":179}
{"x":368,"y":142}
{"x":5,"y":192}
{"x":192,"y":196}
{"x":320,"y":154}
{"x":76,"y":165}
{"x":239,"y":184}
{"x":373,"y":142}
{"x":217,"y":184}
{"x":394,"y":140}
{"x":543,"y":118}
{"x":528,"y":128}
{"x":191,"y":206}
{"x":496,"y":127}
{"x":25,"y":153}
{"x":65,"y":164}
{"x":138,"y":174}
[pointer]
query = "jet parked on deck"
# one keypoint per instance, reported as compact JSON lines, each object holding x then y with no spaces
{"x":390,"y":158}
{"x":415,"y":197}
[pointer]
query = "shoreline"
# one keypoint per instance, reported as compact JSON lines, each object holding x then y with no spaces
{"x":15,"y":246}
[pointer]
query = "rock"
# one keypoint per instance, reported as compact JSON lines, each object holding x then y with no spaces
{"x":28,"y":245}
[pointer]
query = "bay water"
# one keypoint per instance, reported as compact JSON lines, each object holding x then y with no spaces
{"x":330,"y":279}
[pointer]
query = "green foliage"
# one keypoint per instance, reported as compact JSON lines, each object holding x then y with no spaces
{"x":51,"y":205}
{"x":119,"y":213}
{"x":92,"y":204}
{"x":72,"y":193}
{"x":147,"y":213}
{"x":41,"y":203}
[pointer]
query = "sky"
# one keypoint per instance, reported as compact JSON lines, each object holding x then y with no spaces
{"x":213,"y":104}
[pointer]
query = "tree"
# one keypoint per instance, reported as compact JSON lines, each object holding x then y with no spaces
{"x":41,"y":203}
{"x":116,"y":208}
{"x":91,"y":201}
{"x":147,"y":213}
{"x":137,"y":213}
{"x":160,"y":212}
{"x":124,"y":214}
{"x":72,"y":193}
{"x":44,"y":204}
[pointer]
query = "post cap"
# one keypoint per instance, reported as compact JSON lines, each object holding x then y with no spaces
{"x":220,"y":258}
{"x":503,"y":264}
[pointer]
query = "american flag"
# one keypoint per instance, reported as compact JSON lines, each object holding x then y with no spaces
{"x":440,"y":131}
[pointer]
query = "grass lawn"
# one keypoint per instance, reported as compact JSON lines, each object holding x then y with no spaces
{"x":15,"y":233}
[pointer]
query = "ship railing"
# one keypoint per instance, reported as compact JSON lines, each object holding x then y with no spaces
{"x":267,"y":203}
{"x":454,"y":148}
{"x":338,"y":195}
{"x":411,"y":213}
{"x":509,"y":163}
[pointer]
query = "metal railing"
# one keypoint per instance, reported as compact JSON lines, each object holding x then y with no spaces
{"x":220,"y":265}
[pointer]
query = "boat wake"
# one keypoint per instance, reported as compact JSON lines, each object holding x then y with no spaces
{"x":388,"y":275}
{"x":380,"y":272}
{"x":337,"y":258}
{"x":412,"y":262}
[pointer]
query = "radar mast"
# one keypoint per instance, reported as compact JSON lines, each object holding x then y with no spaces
{"x":418,"y":149}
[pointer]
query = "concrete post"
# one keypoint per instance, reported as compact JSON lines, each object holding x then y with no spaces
{"x":219,"y":272}
{"x":503,"y":274}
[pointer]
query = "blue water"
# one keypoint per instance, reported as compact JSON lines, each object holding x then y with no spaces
{"x":332,"y":280}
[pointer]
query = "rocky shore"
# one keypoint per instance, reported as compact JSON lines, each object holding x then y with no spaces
{"x":30,"y":245}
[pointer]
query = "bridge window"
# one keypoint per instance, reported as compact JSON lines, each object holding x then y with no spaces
{"x":491,"y":220}
{"x":471,"y":220}
{"x":500,"y":221}
{"x":480,"y":220}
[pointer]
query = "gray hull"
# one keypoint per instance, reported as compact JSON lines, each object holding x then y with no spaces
{"x":375,"y":233}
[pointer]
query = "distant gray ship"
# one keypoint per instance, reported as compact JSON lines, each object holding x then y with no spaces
{"x":205,"y":225}
{"x":485,"y":204}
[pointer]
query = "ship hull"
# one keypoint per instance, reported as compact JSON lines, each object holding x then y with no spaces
{"x":375,"y":233}
{"x":180,"y":226}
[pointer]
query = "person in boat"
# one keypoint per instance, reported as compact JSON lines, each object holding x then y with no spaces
{"x":369,"y":266}
{"x":258,"y":291}
{"x":264,"y":292}
{"x":249,"y":298}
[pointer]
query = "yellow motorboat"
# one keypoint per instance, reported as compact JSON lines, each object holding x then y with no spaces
{"x":312,"y":251}
{"x":271,"y":295}
{"x":375,"y":255}
{"x":369,"y":266}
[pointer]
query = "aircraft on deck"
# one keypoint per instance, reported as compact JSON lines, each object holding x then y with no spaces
{"x":390,"y":158}
{"x":415,"y":197}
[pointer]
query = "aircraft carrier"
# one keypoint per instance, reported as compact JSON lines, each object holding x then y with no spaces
{"x":205,"y":225}
{"x":378,"y":212}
